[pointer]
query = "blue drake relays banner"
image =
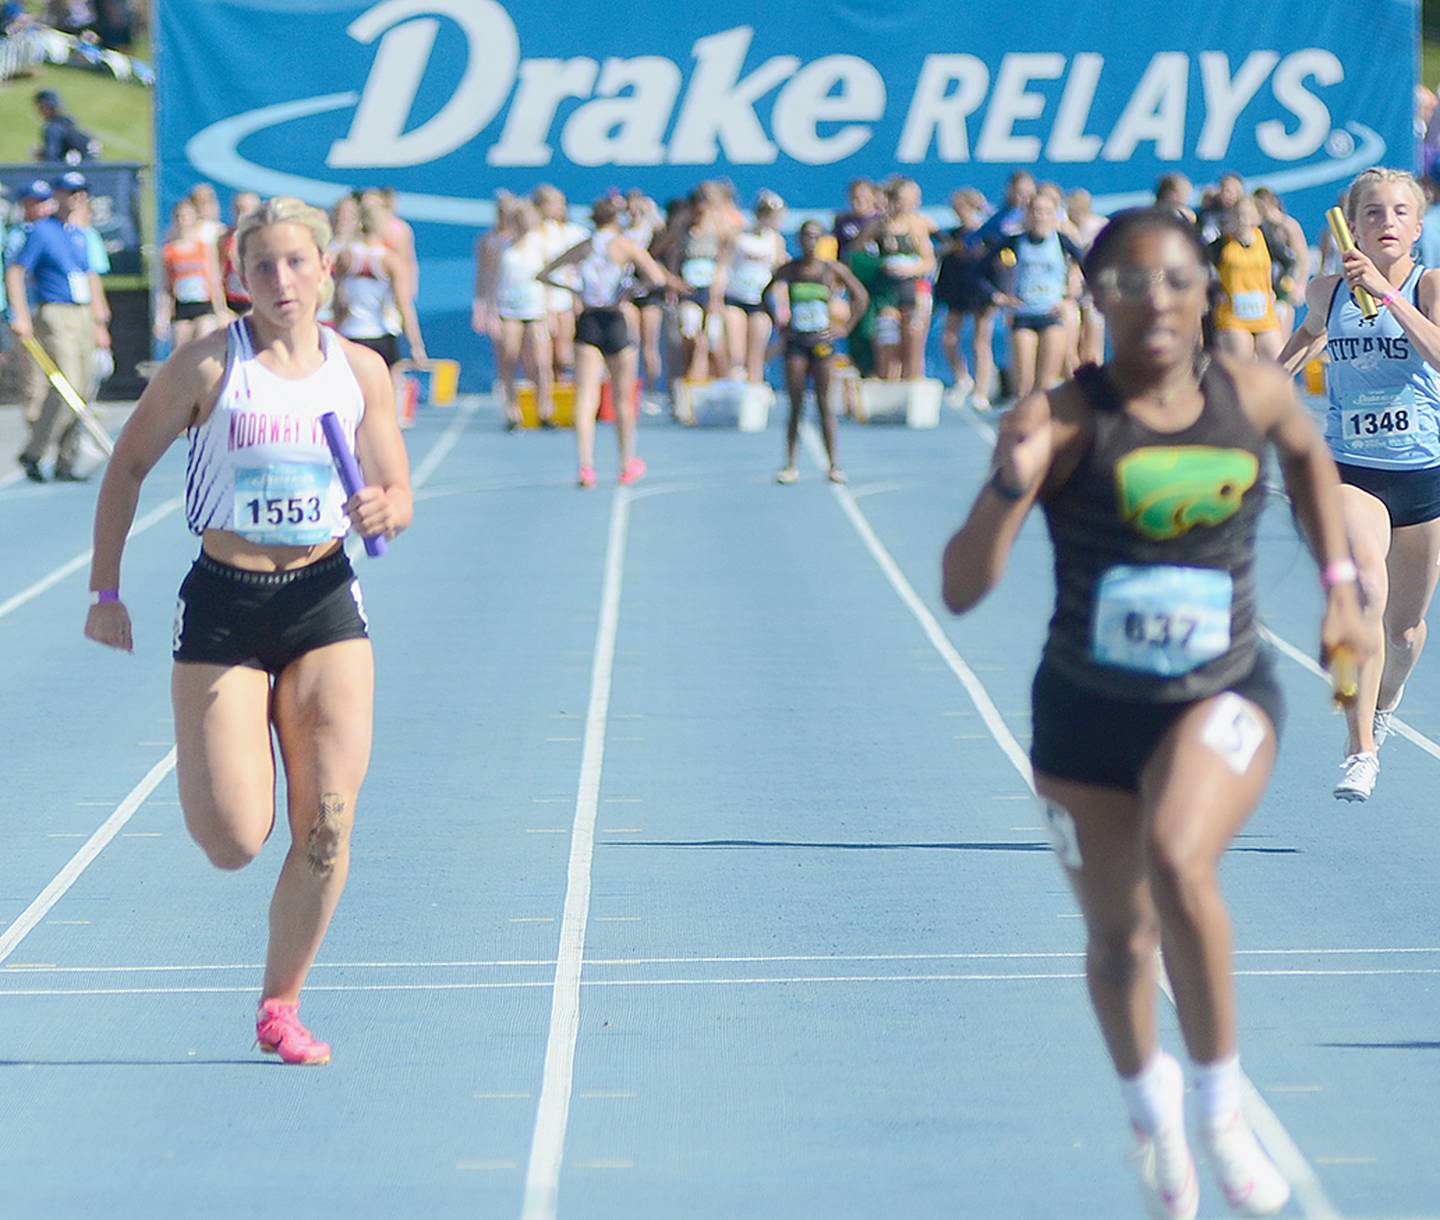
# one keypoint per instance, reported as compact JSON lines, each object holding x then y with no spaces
{"x":447,"y":100}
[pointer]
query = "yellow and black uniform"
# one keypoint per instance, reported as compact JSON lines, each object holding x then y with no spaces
{"x":1246,"y":300}
{"x":809,"y":332}
{"x":1155,"y":590}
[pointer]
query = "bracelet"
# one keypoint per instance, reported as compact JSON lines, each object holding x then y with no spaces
{"x":1338,"y":572}
{"x":1389,"y":299}
{"x":1004,"y":490}
{"x":99,"y":597}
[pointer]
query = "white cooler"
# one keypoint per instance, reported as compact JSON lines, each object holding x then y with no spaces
{"x":916,"y":404}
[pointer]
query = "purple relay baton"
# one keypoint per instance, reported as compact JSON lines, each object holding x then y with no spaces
{"x":349,"y":472}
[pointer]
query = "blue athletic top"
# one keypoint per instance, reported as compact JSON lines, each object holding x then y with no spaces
{"x":57,"y":263}
{"x":1384,"y":398}
{"x":1041,"y":270}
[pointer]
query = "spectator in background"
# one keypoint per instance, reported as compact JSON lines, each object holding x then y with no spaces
{"x":866,"y":203}
{"x":1173,"y":193}
{"x":61,"y":138}
{"x":115,"y":23}
{"x":207,"y":210}
{"x":72,"y":16}
{"x":7,"y":345}
{"x":53,"y":296}
{"x":1009,"y":219}
{"x":1289,"y":255}
{"x":72,"y":205}
{"x":237,"y":296}
{"x":1217,"y":207}
{"x":192,"y":304}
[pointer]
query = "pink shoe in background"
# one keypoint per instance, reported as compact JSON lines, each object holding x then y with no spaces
{"x":634,"y":471}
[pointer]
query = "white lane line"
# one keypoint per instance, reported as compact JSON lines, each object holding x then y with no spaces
{"x":448,"y":439}
{"x":552,"y":1114}
{"x":754,"y":959}
{"x":1288,"y":1157}
{"x":1015,"y":976}
{"x":1397,"y":726}
{"x":155,"y":515}
{"x":979,"y":696}
{"x":112,"y":825}
{"x":80,"y":861}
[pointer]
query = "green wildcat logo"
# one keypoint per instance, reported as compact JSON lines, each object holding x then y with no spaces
{"x":1164,"y":492}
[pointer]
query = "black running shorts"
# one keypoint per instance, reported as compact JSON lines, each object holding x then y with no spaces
{"x":1093,"y":739}
{"x":264,"y":620}
{"x":1411,"y":497}
{"x":603,"y":328}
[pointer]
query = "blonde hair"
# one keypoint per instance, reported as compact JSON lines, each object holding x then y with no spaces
{"x":373,"y":217}
{"x":1377,"y":176}
{"x":287,"y":210}
{"x":284,"y":210}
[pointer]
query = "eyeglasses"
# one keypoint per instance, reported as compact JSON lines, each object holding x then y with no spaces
{"x":1134,"y":283}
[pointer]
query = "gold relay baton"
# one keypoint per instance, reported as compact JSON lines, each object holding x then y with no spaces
{"x":68,"y":393}
{"x":1341,"y":230}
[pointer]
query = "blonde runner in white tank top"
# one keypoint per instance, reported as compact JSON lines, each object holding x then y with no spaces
{"x":259,"y":465}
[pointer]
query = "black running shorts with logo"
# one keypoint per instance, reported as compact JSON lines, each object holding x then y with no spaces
{"x":264,"y":620}
{"x":1094,"y":739}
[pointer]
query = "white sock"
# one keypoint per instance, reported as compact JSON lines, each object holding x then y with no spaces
{"x":1217,"y":1088}
{"x":1150,"y":1094}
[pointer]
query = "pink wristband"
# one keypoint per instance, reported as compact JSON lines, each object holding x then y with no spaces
{"x":1339,"y":572}
{"x":1389,"y":299}
{"x":98,"y":597}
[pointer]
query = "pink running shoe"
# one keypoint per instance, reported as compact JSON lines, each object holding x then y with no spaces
{"x":279,"y":1032}
{"x":634,"y":471}
{"x":586,"y":477}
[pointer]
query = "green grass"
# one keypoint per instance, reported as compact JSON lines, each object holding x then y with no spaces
{"x":118,"y":113}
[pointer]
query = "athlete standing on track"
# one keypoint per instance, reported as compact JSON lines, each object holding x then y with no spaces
{"x":1155,"y":709}
{"x":1383,"y":426}
{"x":603,"y":341}
{"x":758,"y":250}
{"x":810,"y":283}
{"x":270,"y":630}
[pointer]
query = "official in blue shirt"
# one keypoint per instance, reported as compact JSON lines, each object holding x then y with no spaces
{"x":55,"y":297}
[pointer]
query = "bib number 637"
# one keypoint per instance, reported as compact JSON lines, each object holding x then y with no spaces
{"x":1160,"y":630}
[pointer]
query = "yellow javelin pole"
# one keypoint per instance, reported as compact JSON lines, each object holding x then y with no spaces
{"x":68,"y":394}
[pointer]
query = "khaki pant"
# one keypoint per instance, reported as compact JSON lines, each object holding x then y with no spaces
{"x":67,"y":332}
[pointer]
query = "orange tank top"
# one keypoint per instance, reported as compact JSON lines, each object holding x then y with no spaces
{"x":187,"y":267}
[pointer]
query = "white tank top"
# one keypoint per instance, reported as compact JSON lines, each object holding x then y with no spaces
{"x":366,"y":295}
{"x":750,"y":270}
{"x":259,"y":465}
{"x":601,"y":280}
{"x":518,"y":294}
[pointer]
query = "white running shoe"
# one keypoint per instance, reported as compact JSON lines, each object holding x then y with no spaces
{"x":1248,"y":1178}
{"x":1358,"y":782}
{"x":1380,"y":726}
{"x":1168,"y":1182}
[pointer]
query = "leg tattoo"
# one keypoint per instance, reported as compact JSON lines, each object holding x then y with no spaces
{"x":326,"y":835}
